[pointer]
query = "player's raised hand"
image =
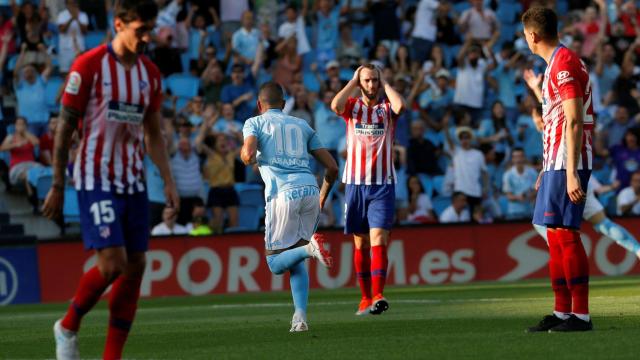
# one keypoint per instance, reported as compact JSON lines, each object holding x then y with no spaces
{"x":52,"y":207}
{"x":574,"y":190}
{"x":356,"y":74}
{"x":533,"y":81}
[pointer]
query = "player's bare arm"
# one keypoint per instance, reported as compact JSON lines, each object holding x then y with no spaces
{"x":157,"y":149}
{"x":573,"y":136}
{"x":69,"y":118}
{"x":249,"y":150}
{"x":340,"y":100}
{"x":534,"y":82}
{"x":396,"y":100}
{"x":330,"y":174}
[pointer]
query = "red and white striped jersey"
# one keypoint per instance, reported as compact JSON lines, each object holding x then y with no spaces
{"x":370,"y":133}
{"x":113,"y":101}
{"x":566,"y":77}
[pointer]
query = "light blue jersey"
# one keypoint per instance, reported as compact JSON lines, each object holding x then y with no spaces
{"x":284,"y":146}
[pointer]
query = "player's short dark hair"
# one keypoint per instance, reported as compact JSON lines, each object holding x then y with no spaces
{"x":271,"y":93}
{"x":517,"y":148}
{"x":131,"y":10}
{"x":542,"y":21}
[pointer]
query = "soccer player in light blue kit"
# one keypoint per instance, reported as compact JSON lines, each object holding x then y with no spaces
{"x":282,"y":146}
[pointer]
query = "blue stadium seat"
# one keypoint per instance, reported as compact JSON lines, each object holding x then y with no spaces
{"x":94,"y":39}
{"x":310,"y":82}
{"x":70,"y":210}
{"x":43,"y":185}
{"x":11,"y":128}
{"x":248,"y":217}
{"x":427,"y":184}
{"x":185,"y":59}
{"x":51,"y":92}
{"x":251,"y":197}
{"x":507,"y":11}
{"x":440,"y":203}
{"x":438,"y":183}
{"x":562,"y":6}
{"x":11,"y":64}
{"x":461,"y":7}
{"x":504,"y":204}
{"x":434,"y":137}
{"x":183,"y":85}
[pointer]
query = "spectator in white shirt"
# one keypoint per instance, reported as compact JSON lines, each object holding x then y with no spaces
{"x":457,"y":211}
{"x":424,"y":31}
{"x":72,"y":24}
{"x":470,"y":170}
{"x":479,"y":23}
{"x":470,"y":80}
{"x":518,"y":185}
{"x":168,"y":226}
{"x":629,"y":197}
{"x":294,"y":26}
{"x":185,"y":166}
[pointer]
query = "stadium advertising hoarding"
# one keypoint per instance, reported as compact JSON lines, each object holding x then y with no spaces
{"x":417,"y":255}
{"x":19,"y":283}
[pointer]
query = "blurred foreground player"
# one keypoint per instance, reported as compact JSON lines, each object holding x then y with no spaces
{"x":370,"y":177}
{"x":282,"y":145}
{"x":568,"y":120}
{"x":593,"y":209}
{"x":112,"y":97}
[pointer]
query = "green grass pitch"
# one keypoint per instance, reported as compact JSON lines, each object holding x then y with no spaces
{"x":475,"y":321}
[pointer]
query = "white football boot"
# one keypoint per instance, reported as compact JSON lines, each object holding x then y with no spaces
{"x":66,"y":343}
{"x":298,"y":323}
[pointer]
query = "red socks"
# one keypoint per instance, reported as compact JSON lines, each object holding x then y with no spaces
{"x":576,"y":269}
{"x":556,"y":273}
{"x":122,"y":309}
{"x":569,"y":271}
{"x":92,"y":285}
{"x":378,"y":268}
{"x":362,"y":262}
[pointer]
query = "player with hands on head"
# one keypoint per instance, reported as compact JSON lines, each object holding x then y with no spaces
{"x":370,"y":177}
{"x":112,"y":96}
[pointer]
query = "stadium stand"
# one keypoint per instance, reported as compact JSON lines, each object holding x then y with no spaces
{"x":197,"y":63}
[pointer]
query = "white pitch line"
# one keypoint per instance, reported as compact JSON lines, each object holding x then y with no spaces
{"x":267,"y":305}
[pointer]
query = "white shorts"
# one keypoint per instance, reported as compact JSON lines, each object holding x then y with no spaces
{"x":290,"y":216}
{"x":592,"y":205}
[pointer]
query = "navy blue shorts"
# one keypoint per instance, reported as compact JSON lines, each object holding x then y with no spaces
{"x":112,"y":220}
{"x":369,"y":206}
{"x":553,"y":206}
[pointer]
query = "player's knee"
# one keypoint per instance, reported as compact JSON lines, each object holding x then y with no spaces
{"x":112,"y":269}
{"x":275,"y":269}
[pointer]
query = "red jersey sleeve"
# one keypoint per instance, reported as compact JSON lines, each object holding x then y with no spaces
{"x":348,"y":108}
{"x":566,"y":74}
{"x":77,"y":89}
{"x":155,"y":99}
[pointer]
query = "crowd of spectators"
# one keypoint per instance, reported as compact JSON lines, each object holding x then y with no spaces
{"x":467,"y":148}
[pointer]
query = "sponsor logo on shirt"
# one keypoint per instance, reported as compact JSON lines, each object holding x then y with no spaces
{"x":369,"y":129}
{"x":73,"y":84}
{"x":300,"y":192}
{"x":126,"y":113}
{"x":563,"y":77}
{"x":283,"y":161}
